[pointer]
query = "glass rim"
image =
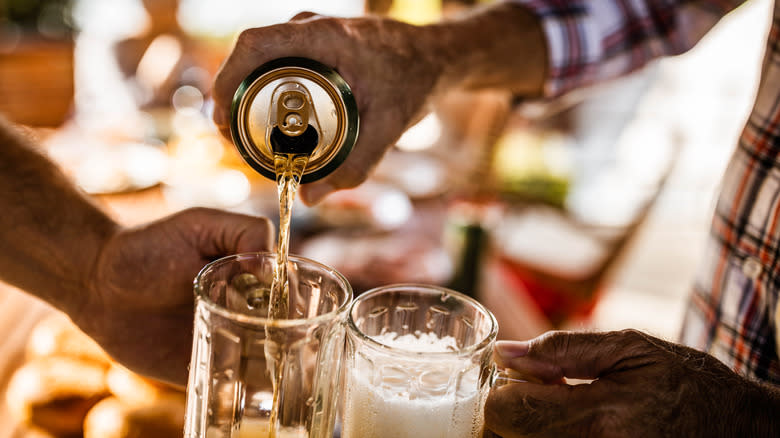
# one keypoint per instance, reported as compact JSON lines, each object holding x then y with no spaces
{"x":202,"y":297}
{"x":428,"y":288}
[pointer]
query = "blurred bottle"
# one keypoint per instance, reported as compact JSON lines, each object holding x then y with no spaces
{"x":466,"y":236}
{"x":475,"y":206}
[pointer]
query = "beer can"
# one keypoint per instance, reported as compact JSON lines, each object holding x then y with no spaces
{"x":294,"y":106}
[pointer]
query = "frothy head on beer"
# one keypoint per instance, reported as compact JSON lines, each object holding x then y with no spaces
{"x":418,"y":363}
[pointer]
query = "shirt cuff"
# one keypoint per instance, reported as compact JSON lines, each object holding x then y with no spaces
{"x":574,"y":44}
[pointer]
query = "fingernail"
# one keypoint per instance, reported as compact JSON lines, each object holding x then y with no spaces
{"x":508,"y":350}
{"x":313,"y":193}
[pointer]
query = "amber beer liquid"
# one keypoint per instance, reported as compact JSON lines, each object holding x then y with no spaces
{"x":294,"y":120}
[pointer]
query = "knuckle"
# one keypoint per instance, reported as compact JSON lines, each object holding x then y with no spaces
{"x":192,"y":212}
{"x":551,"y":346}
{"x":199,"y":211}
{"x":641,"y":344}
{"x":245,"y":37}
{"x":304,"y":15}
{"x":555,"y":340}
{"x":633,"y":336}
{"x":333,"y":26}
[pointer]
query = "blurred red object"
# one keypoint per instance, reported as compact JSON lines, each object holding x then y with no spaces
{"x":555,"y":262}
{"x":559,"y":299}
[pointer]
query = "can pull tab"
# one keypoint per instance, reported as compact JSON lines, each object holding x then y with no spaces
{"x":295,"y":128}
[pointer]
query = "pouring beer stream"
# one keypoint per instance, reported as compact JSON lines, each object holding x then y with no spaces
{"x":294,"y":120}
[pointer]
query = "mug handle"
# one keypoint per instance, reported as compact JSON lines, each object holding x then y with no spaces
{"x":504,"y":376}
{"x":500,"y":377}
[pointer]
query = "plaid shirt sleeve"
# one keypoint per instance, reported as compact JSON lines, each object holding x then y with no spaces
{"x":734,"y":310}
{"x":590,"y":41}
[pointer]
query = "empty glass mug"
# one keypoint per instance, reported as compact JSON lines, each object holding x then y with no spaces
{"x":418,"y":364}
{"x":235,"y":347}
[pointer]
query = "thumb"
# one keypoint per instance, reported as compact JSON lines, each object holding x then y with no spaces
{"x":579,"y":355}
{"x":225,"y":233}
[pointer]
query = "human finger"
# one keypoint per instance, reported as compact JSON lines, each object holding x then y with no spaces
{"x":580,"y":355}
{"x":350,"y":174}
{"x":252,"y":48}
{"x":369,"y":149}
{"x":224,"y":233}
{"x":314,"y":192}
{"x":538,"y":410}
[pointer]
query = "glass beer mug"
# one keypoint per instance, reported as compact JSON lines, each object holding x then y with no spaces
{"x":418,"y":364}
{"x":236,"y":348}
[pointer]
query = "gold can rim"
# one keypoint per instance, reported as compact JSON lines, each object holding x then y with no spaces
{"x":323,"y":162}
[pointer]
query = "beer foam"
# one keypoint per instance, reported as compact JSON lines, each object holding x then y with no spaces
{"x":418,"y":342}
{"x":410,"y":399}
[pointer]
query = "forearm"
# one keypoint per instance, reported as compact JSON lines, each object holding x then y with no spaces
{"x":50,"y":233}
{"x":501,"y":46}
{"x":539,"y":48}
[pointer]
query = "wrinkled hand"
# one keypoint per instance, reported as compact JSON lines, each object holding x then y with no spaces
{"x":385,"y":62}
{"x":140,"y":306}
{"x":643,"y":386}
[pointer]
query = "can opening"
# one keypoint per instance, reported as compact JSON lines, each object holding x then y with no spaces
{"x":303,"y":144}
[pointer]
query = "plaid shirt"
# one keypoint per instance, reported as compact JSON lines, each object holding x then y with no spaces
{"x":733,"y":311}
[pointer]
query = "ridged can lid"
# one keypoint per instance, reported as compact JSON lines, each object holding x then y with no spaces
{"x":295,"y":90}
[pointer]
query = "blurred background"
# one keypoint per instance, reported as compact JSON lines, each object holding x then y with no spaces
{"x":587,"y":215}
